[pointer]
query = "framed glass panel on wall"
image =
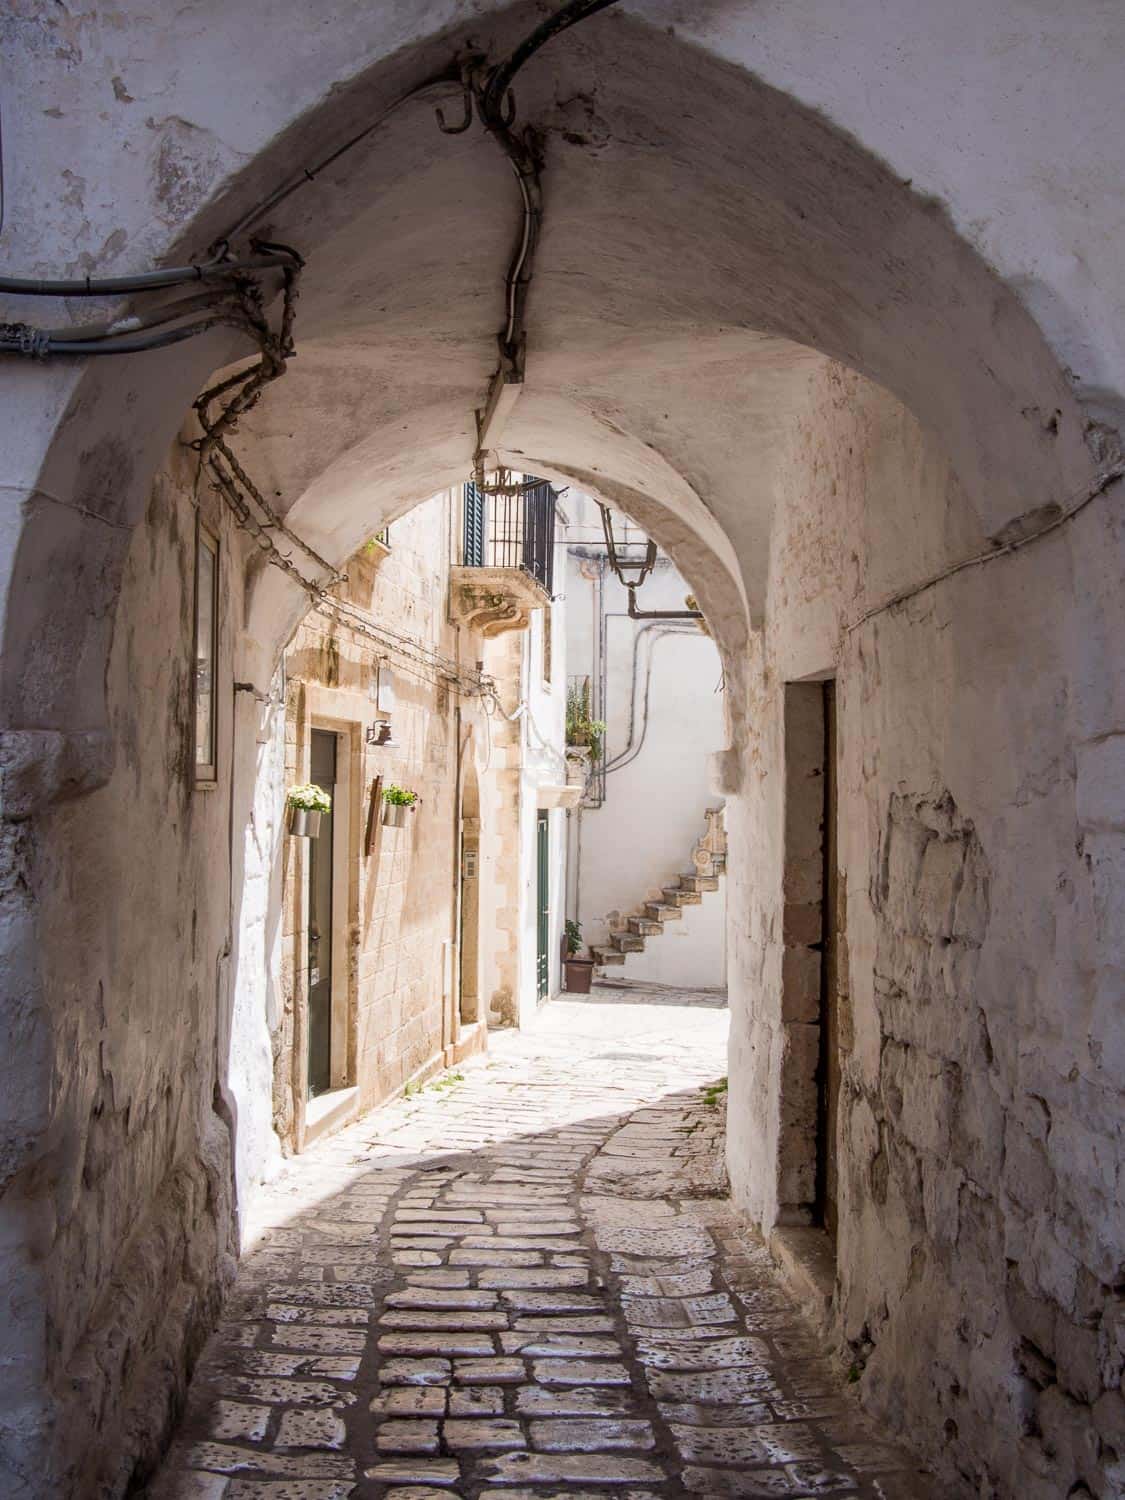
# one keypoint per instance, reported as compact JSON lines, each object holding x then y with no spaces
{"x":206,"y":654}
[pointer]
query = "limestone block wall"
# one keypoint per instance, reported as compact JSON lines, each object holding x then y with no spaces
{"x":980,"y":1120}
{"x":134,"y":1204}
{"x":400,"y":937}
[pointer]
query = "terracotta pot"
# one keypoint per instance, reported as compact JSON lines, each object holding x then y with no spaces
{"x":304,"y":822}
{"x":579,"y":975}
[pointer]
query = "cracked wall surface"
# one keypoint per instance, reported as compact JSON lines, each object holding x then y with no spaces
{"x":747,"y":187}
{"x":978,"y":1278}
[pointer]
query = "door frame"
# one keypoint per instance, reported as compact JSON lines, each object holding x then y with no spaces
{"x":340,"y":1069}
{"x":542,"y":905}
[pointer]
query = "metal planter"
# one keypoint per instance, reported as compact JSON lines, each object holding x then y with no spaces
{"x":304,"y":822}
{"x":395,"y":814}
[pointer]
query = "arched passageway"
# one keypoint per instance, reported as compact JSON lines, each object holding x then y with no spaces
{"x":769,"y":349}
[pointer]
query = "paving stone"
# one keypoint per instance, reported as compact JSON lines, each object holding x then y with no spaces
{"x":595,"y":1323}
{"x":473,"y":1257}
{"x":405,"y":1436}
{"x":439,"y":1216}
{"x":335,"y":1294}
{"x":306,"y":1392}
{"x":441,"y":1297}
{"x":416,"y":1258}
{"x":533,"y":1224}
{"x":553,"y":1345}
{"x":576,"y":1401}
{"x":653,"y":1242}
{"x":476,"y":1401}
{"x":277,"y":1362}
{"x":310,"y":1429}
{"x":481,"y":1433}
{"x":719,"y":1386}
{"x":435,"y":1343}
{"x":337,"y":1317}
{"x":431,"y":1471}
{"x":772,"y":1443}
{"x":714,"y":1416}
{"x":410,"y":1401}
{"x":448,"y":1258}
{"x":714,"y":1354}
{"x":415,"y":1372}
{"x":588,"y":1435}
{"x":486,"y":1371}
{"x":232,"y":1419}
{"x":756,"y":1484}
{"x":288,"y":1489}
{"x":579,"y":1372}
{"x":459,"y":1320}
{"x":415,"y":1492}
{"x":567,"y":1494}
{"x":554,"y":1468}
{"x":551,"y":1301}
{"x":544,"y":1278}
{"x":227,"y":1459}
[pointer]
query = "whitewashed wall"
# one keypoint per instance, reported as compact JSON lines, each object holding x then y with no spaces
{"x":657,"y":786}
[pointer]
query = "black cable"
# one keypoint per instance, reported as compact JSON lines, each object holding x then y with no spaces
{"x":38,"y":346}
{"x":501,"y":77}
{"x":112,"y":286}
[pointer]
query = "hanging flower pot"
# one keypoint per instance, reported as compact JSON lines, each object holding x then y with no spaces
{"x":398,"y":803}
{"x":305,"y":806}
{"x":304,"y":823}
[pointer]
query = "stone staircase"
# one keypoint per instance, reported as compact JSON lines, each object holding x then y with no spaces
{"x":709,"y":860}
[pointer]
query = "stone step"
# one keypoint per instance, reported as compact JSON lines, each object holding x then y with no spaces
{"x":675,"y":895}
{"x":661,"y":911}
{"x":699,"y":883}
{"x":628,"y":942}
{"x":646,"y":926}
{"x":607,"y":956}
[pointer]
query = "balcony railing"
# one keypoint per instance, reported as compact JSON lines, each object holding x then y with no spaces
{"x":512,"y":531}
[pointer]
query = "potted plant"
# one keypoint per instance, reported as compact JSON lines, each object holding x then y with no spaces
{"x":305,"y":805}
{"x":579,"y":971}
{"x":397,"y":802}
{"x":583,"y":734}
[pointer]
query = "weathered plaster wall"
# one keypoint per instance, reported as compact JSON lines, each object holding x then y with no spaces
{"x":134,"y":1203}
{"x":543,"y":774}
{"x":665,"y":717}
{"x":401,"y":926}
{"x":794,"y":176}
{"x":980,"y":1124}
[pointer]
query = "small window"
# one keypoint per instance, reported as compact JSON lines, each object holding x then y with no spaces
{"x":206,"y":652}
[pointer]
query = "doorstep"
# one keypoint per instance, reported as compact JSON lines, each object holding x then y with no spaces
{"x":326,"y":1112}
{"x":806,"y":1259}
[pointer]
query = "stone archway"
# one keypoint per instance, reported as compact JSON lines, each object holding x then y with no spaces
{"x":758,"y":341}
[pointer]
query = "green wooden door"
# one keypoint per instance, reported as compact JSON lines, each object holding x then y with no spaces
{"x":543,"y":907}
{"x":323,"y":768}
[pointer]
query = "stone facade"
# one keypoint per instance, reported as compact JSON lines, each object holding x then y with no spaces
{"x":975,"y":1274}
{"x":833,"y":312}
{"x":395,"y":1008}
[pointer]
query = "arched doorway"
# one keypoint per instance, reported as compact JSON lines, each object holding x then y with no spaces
{"x":754,"y":338}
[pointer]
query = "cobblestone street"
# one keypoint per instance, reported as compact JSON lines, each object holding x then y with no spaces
{"x":524,"y":1281}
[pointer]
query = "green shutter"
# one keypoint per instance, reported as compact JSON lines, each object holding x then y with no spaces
{"x":473,"y":551}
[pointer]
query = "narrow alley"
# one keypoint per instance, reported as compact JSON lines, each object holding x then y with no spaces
{"x":521,"y":1278}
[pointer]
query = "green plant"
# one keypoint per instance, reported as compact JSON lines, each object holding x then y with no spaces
{"x":573,"y":938}
{"x":399,"y":796}
{"x":714,"y":1092}
{"x":581,"y":730}
{"x":309,"y":798}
